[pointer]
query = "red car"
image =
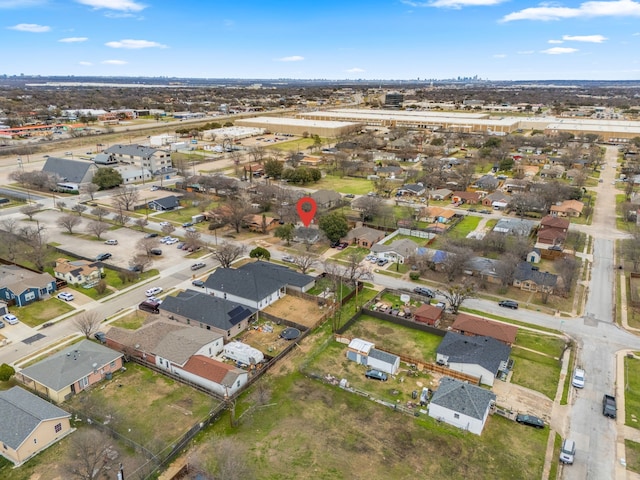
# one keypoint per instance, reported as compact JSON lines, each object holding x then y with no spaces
{"x":342,"y":246}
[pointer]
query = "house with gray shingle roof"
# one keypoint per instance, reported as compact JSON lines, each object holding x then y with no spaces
{"x":527,"y":277}
{"x":29,"y":424}
{"x":257,"y":284}
{"x":515,"y":226}
{"x":461,"y":404}
{"x":71,"y":370}
{"x":24,"y":286}
{"x":364,"y":237}
{"x":479,"y":356}
{"x":396,"y":252}
{"x":169,"y":202}
{"x":216,"y":313}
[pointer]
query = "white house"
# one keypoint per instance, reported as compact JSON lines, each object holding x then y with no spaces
{"x":364,"y":353}
{"x":217,"y":377}
{"x":461,"y":404}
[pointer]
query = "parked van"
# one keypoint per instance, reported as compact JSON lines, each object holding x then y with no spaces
{"x":150,"y":306}
{"x":568,"y":451}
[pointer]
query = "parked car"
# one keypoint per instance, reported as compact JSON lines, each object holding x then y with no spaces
{"x":1,"y":324}
{"x":287,"y":258}
{"x":172,"y":240}
{"x":151,"y":235}
{"x":382,"y":262}
{"x":609,"y":407}
{"x":190,"y":229}
{"x":10,"y":318}
{"x":100,"y":336}
{"x":568,"y":451}
{"x":373,"y":259}
{"x":485,"y":211}
{"x":66,"y":296}
{"x":350,"y":195}
{"x":165,"y":224}
{"x":153,"y":291}
{"x":578,"y":378}
{"x":197,"y":283}
{"x":334,"y":244}
{"x":111,"y":242}
{"x":180,"y":245}
{"x":187,"y":224}
{"x":103,"y":256}
{"x":529,"y":420}
{"x":155,"y":251}
{"x":509,"y":304}
{"x":376,"y":375}
{"x":424,"y":291}
{"x":154,"y":188}
{"x":198,"y":265}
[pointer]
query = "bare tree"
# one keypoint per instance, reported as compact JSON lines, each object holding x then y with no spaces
{"x":193,"y":239}
{"x":87,"y":454}
{"x":455,"y":294}
{"x":567,"y":268}
{"x":60,"y":205}
{"x":69,"y":222}
{"x":168,"y":229}
{"x":506,"y":268}
{"x":227,"y":253}
{"x":31,"y":209}
{"x":231,"y":463}
{"x":35,"y":238}
{"x":234,"y":212}
{"x":455,"y":261}
{"x":90,"y":190}
{"x":10,"y":225}
{"x":121,"y":218}
{"x":147,"y":244}
{"x":305,"y":261}
{"x":100,"y":213}
{"x":141,"y":223}
{"x":126,"y":197}
{"x":140,"y":261}
{"x":87,"y":322}
{"x":355,"y":270}
{"x":631,"y":249}
{"x":79,"y":208}
{"x":97,"y":228}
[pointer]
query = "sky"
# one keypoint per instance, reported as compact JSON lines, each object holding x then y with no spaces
{"x":332,"y":39}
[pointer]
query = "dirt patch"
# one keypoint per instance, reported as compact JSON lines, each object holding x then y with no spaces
{"x":296,"y":309}
{"x":522,"y":400}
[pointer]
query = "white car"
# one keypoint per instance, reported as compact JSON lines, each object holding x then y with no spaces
{"x":10,"y":318}
{"x":172,"y":240}
{"x":111,"y":242}
{"x":578,"y":378}
{"x":66,"y":296}
{"x":165,"y":224}
{"x":153,"y":291}
{"x":287,"y":258}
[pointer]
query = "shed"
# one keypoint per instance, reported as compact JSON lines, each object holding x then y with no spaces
{"x":428,"y":314}
{"x":358,"y":350}
{"x":383,"y":361}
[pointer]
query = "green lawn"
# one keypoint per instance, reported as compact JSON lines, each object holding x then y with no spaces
{"x":536,"y":372}
{"x":464,"y":227}
{"x":632,"y":455}
{"x":37,"y":313}
{"x":344,"y":254}
{"x":357,"y":186}
{"x":540,"y":342}
{"x":632,"y":392}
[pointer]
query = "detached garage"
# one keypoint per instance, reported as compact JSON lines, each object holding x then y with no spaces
{"x":364,"y":353}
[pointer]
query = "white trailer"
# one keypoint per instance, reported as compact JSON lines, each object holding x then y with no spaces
{"x":242,"y":353}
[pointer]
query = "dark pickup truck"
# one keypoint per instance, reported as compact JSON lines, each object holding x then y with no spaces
{"x":609,"y":406}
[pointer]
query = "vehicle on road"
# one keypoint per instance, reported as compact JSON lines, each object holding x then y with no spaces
{"x":153,"y":291}
{"x":427,"y":292}
{"x":10,"y":318}
{"x":568,"y":451}
{"x":198,"y":265}
{"x":150,"y":306}
{"x":103,"y":256}
{"x":1,"y":324}
{"x":66,"y":296}
{"x":165,"y":224}
{"x":609,"y":408}
{"x":509,"y":304}
{"x":486,"y":212}
{"x":287,"y":258}
{"x":187,"y":224}
{"x":111,"y":242}
{"x":350,"y":195}
{"x":578,"y":378}
{"x":197,"y":283}
{"x":376,"y":375}
{"x":529,"y":420}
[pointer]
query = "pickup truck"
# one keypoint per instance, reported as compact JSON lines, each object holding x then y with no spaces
{"x":609,"y":406}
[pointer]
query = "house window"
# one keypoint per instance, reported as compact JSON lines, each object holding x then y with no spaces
{"x":456,"y":415}
{"x":112,"y":364}
{"x":35,"y":440}
{"x":58,"y":428}
{"x":29,"y":296}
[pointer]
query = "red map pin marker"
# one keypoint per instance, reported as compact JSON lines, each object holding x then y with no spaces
{"x":306,"y":207}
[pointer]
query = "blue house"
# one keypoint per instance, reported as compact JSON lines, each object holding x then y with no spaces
{"x":21,"y":286}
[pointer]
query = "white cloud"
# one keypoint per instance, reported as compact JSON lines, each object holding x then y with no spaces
{"x":355,"y":70}
{"x":635,"y":34}
{"x":85,"y":64}
{"x":73,"y":39}
{"x":545,"y":12}
{"x":30,"y":27}
{"x":293,"y":58}
{"x":7,"y":4}
{"x":585,"y":38}
{"x":457,"y":4}
{"x":135,"y":44}
{"x":122,"y":5}
{"x":114,"y":62}
{"x":526,"y":52}
{"x":499,"y":55}
{"x":555,"y":41}
{"x":559,"y":50}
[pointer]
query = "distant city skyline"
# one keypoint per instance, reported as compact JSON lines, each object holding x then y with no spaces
{"x":376,"y":40}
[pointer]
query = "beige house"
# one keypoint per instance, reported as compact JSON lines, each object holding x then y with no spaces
{"x":77,"y":272}
{"x":29,"y":424}
{"x":568,"y":208}
{"x":71,"y":370}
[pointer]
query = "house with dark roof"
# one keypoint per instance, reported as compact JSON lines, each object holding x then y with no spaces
{"x":415,"y":189}
{"x":389,"y":171}
{"x":485,"y":268}
{"x":65,"y":170}
{"x":256,"y":284}
{"x":216,"y":313}
{"x":327,"y":199}
{"x":514,"y":226}
{"x":497,"y":200}
{"x":170,"y":202}
{"x":487,"y":182}
{"x":71,"y":370}
{"x":364,"y":237}
{"x":220,"y":378}
{"x":21,"y":286}
{"x":306,"y":235}
{"x":471,"y":325}
{"x":461,"y":404}
{"x":553,"y":230}
{"x":527,"y":277}
{"x":397,"y":251}
{"x":29,"y":424}
{"x":147,"y":158}
{"x":470,"y":198}
{"x":479,"y":356}
{"x":77,"y":272}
